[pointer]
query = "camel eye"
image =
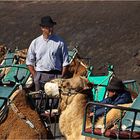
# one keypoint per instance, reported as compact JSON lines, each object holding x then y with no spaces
{"x":66,"y":85}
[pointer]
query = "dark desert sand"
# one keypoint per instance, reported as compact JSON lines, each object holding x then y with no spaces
{"x":108,"y":32}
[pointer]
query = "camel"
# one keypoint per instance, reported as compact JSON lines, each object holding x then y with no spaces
{"x":20,"y":54}
{"x":72,"y":108}
{"x":111,"y":117}
{"x":15,"y":127}
{"x":72,"y":102}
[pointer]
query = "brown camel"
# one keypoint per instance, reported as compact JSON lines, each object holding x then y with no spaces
{"x":15,"y":127}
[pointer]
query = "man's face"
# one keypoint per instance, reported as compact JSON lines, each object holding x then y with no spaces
{"x":47,"y":30}
{"x":111,"y":93}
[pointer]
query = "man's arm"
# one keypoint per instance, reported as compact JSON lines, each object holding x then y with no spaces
{"x":32,"y":70}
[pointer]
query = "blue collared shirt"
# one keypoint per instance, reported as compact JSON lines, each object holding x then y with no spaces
{"x":121,"y":98}
{"x":47,"y":54}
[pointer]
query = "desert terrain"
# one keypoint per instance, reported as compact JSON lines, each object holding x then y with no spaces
{"x":106,"y":31}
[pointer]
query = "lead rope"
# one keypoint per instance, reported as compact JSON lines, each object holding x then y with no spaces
{"x":23,"y":118}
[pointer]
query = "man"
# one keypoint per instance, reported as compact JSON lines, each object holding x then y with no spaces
{"x":117,"y":94}
{"x":47,"y":55}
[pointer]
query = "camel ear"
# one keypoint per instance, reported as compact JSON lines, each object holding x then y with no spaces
{"x":88,"y":85}
{"x":84,"y":78}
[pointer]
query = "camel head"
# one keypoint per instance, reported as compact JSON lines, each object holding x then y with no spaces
{"x":76,"y":84}
{"x":66,"y":89}
{"x":67,"y":86}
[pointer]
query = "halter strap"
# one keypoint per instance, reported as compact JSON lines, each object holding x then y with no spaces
{"x":73,"y":91}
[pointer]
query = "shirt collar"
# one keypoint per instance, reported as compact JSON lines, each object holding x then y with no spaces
{"x":47,"y":38}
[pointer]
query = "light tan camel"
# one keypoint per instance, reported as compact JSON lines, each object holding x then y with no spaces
{"x":112,"y":115}
{"x":15,"y":127}
{"x":72,"y":108}
{"x":21,"y":54}
{"x":72,"y":102}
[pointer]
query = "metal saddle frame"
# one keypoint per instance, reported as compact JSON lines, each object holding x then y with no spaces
{"x":10,"y":58}
{"x":129,"y":119}
{"x":100,"y":83}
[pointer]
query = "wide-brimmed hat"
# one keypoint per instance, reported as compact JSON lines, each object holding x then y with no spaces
{"x":116,"y":84}
{"x":47,"y":21}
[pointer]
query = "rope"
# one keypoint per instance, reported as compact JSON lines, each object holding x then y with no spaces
{"x":68,"y":93}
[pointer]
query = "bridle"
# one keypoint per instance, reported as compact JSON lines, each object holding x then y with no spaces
{"x":70,"y":92}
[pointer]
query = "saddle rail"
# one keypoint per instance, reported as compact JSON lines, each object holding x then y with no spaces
{"x":10,"y":58}
{"x":118,"y":133}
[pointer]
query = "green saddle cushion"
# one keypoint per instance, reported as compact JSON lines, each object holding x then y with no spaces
{"x":21,"y":71}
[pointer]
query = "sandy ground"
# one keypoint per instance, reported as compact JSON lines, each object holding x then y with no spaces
{"x":106,"y":31}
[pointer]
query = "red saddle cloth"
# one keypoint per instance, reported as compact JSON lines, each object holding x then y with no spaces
{"x":115,"y":133}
